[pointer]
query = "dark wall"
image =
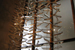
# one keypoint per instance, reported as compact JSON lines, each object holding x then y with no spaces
{"x":6,"y":12}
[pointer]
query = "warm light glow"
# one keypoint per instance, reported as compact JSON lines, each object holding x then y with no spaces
{"x":53,"y":29}
{"x":15,"y":23}
{"x":22,"y":17}
{"x":48,"y":31}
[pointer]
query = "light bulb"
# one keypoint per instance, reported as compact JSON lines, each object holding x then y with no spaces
{"x":16,"y":24}
{"x":48,"y":31}
{"x":53,"y":29}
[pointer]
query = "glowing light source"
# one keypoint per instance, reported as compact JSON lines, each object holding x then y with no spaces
{"x":48,"y":31}
{"x":15,"y":23}
{"x":53,"y":29}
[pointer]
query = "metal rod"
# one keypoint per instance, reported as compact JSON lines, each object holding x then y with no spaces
{"x":51,"y":26}
{"x":34,"y":27}
{"x":68,"y":40}
{"x":73,"y":12}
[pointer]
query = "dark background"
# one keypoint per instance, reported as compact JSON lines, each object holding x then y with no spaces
{"x":6,"y":12}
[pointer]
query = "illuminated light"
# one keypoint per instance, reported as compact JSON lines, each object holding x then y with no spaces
{"x":53,"y":29}
{"x":22,"y":17}
{"x":48,"y":31}
{"x":16,"y":24}
{"x":28,"y":16}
